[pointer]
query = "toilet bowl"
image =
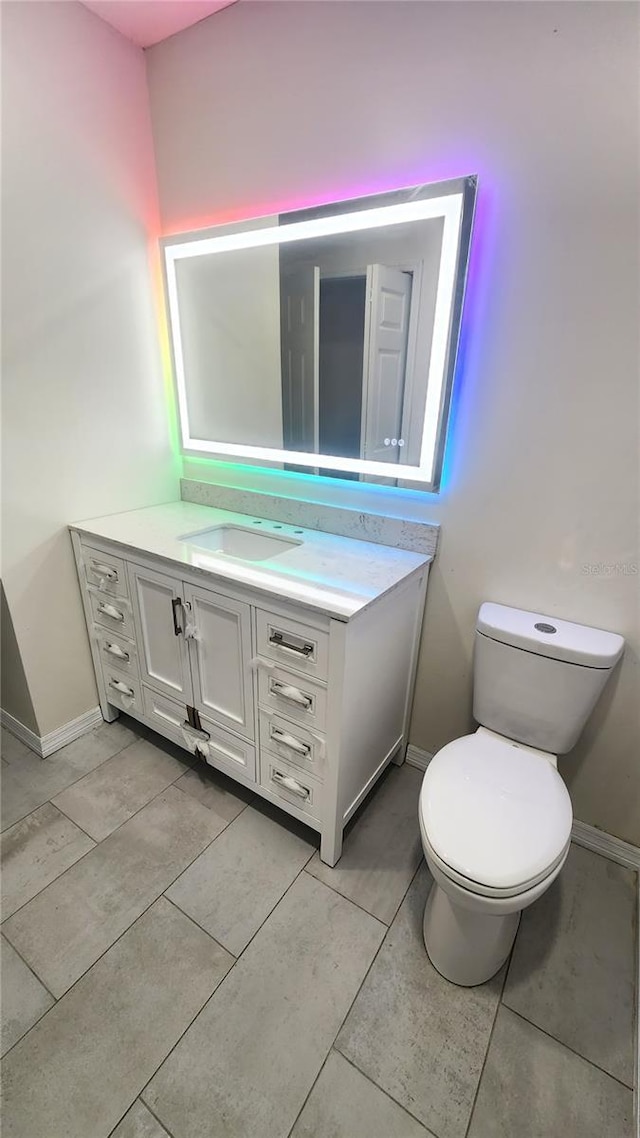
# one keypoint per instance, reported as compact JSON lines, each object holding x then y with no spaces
{"x":495,"y":835}
{"x":495,"y":816}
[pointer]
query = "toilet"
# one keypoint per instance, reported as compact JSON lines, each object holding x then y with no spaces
{"x":495,"y":815}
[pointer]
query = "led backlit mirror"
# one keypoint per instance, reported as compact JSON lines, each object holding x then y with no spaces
{"x":324,"y":339}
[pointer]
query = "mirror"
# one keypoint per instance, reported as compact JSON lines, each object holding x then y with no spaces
{"x":324,"y":339}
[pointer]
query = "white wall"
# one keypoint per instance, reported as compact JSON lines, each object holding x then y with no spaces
{"x":85,"y":426}
{"x":265,"y":106}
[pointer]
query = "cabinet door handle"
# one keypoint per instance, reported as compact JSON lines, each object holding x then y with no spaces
{"x":277,"y":638}
{"x":291,"y":742}
{"x":290,"y":784}
{"x":176,"y":609}
{"x":118,"y":686}
{"x":294,"y":695}
{"x":111,"y":611}
{"x":117,"y":651}
{"x":103,"y":571}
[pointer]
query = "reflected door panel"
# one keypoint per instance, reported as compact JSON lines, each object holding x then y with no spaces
{"x":299,"y":323}
{"x":385,"y":358}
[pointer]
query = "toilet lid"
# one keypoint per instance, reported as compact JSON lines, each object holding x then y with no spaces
{"x":497,"y":813}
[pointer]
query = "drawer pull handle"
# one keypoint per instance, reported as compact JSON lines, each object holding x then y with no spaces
{"x":117,"y":651}
{"x":294,"y":695}
{"x":291,"y":742}
{"x":104,"y":571}
{"x":278,"y":639}
{"x":290,"y":784}
{"x":111,"y":611}
{"x":118,"y":686}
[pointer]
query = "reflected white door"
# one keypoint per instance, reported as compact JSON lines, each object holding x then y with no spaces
{"x":299,"y":325}
{"x":386,"y":333}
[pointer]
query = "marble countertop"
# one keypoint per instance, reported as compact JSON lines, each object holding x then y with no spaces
{"x":338,"y":576}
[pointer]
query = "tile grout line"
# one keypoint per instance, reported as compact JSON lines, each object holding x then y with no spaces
{"x":18,"y":953}
{"x":332,"y":1045}
{"x":261,"y":925}
{"x":154,"y":1115}
{"x":101,"y":841}
{"x":236,"y":960}
{"x":491,"y":1034}
{"x":428,"y":1132}
{"x":217,"y":943}
{"x":4,"y":829}
{"x":58,"y":999}
{"x":357,"y":904}
{"x":567,"y":1047}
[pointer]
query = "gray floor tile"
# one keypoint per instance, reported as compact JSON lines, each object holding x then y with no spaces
{"x":418,"y":1037}
{"x":139,"y":1123}
{"x":247,"y":1063}
{"x":96,"y":1049}
{"x":11,"y":748}
{"x":32,"y":780}
{"x":35,"y":851}
{"x":345,"y":1104}
{"x":213,"y":789}
{"x":104,"y":799}
{"x":533,"y":1087}
{"x":573,"y":966}
{"x":63,"y":930}
{"x":233,"y":886}
{"x":24,"y":999}
{"x":383,"y":850}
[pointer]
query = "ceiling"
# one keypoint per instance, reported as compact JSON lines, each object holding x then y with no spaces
{"x":146,"y":22}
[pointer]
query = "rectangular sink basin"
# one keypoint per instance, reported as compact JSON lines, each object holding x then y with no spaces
{"x":237,"y":541}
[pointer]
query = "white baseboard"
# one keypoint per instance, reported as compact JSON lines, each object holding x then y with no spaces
{"x":416,"y":757}
{"x":24,"y":734}
{"x":45,"y":745}
{"x":606,"y":844}
{"x":624,"y":853}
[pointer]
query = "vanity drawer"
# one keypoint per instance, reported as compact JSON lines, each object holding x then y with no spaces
{"x":295,"y":697}
{"x":117,"y":652}
{"x":123,"y":691}
{"x":216,"y":746}
{"x":293,"y":645}
{"x":291,"y":784}
{"x":114,"y":613}
{"x":163,"y":714}
{"x":292,"y":743}
{"x":105,"y":572}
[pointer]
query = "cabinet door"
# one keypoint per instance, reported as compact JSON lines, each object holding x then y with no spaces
{"x":159,"y":617}
{"x":220,"y":659}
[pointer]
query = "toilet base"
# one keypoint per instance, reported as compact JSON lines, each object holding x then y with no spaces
{"x":466,"y":946}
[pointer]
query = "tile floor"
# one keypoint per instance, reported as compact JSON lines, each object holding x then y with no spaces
{"x":176,"y":961}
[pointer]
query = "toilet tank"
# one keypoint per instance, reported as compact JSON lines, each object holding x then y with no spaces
{"x":537,"y":679}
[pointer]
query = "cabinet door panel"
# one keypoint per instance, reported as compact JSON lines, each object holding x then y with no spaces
{"x":220,"y":659}
{"x":163,"y":655}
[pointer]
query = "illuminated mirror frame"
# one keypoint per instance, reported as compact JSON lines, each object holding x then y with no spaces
{"x":454,"y":202}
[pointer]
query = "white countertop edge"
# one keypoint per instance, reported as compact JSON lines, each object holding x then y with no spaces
{"x":328,"y":600}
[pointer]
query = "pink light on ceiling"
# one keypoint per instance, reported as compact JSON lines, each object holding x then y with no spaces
{"x":146,"y":22}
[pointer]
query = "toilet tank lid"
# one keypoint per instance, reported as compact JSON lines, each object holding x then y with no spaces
{"x":547,"y":636}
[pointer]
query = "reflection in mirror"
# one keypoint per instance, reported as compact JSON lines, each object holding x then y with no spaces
{"x":324,"y":339}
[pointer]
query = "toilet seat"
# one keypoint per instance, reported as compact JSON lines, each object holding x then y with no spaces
{"x":496,"y":816}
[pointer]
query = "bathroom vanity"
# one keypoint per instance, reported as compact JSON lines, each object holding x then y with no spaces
{"x":283,"y":656}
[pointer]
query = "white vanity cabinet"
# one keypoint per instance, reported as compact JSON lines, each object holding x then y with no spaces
{"x":304,"y":707}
